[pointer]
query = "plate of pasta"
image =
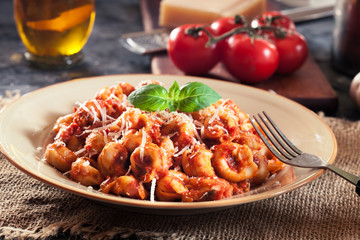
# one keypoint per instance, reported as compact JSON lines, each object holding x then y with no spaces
{"x":162,"y":144}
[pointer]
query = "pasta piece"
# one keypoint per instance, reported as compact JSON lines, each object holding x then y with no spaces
{"x":252,"y":140}
{"x":61,"y":121}
{"x":247,"y":126}
{"x":275,"y":165}
{"x":90,"y":113}
{"x":263,"y":171}
{"x":113,"y":160}
{"x":110,"y":92}
{"x":196,"y":162}
{"x":69,"y":134}
{"x":148,"y":162}
{"x":147,"y":82}
{"x":82,"y":172}
{"x":180,"y":130}
{"x":222,"y":128}
{"x":107,"y":184}
{"x":133,"y":139}
{"x":207,"y":189}
{"x":240,"y":187}
{"x":59,"y":156}
{"x":96,"y":141}
{"x":167,"y":146}
{"x":172,"y":186}
{"x":202,"y":114}
{"x":115,"y":107}
{"x":127,"y":88}
{"x":128,"y":186}
{"x":135,"y":119}
{"x":233,"y":162}
{"x":233,"y":109}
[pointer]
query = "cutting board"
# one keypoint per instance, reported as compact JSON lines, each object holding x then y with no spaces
{"x":307,"y":86}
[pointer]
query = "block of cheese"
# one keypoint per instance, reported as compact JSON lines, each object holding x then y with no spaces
{"x":174,"y":13}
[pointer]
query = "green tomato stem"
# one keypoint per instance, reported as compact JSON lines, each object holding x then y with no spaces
{"x":214,"y":40}
{"x":251,"y":31}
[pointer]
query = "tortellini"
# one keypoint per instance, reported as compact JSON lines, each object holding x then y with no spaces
{"x":117,"y":149}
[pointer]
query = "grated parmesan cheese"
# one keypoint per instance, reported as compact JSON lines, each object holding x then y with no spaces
{"x":78,"y":152}
{"x":91,"y":113}
{"x":102,"y":112}
{"x":152,"y":190}
{"x":216,"y":114}
{"x":109,"y":125}
{"x":182,"y":150}
{"x":86,"y":163}
{"x":128,"y":171}
{"x":191,"y":120}
{"x":105,"y":136}
{"x":60,"y":143}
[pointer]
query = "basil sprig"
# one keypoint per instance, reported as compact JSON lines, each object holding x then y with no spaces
{"x":190,"y":97}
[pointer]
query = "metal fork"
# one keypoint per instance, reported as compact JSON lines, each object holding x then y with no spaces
{"x":286,"y":152}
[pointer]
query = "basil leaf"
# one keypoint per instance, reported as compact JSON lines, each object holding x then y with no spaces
{"x":174,"y":91}
{"x":172,"y":102}
{"x":195,"y":96}
{"x":150,"y":97}
{"x":172,"y":105}
{"x":191,"y":97}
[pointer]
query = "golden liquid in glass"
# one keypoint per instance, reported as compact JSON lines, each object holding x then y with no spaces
{"x":53,"y":28}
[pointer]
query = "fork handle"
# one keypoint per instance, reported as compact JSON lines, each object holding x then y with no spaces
{"x":347,"y":176}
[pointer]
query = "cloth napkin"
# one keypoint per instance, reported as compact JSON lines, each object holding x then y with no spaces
{"x":327,"y":208}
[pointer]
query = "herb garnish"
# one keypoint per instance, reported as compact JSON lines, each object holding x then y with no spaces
{"x":190,"y":97}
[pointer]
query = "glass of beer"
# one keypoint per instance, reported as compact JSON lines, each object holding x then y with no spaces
{"x":54,"y":31}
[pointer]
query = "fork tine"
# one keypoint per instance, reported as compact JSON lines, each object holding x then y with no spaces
{"x":282,"y":135}
{"x":275,"y":136}
{"x":265,"y":140}
{"x":269,"y":135}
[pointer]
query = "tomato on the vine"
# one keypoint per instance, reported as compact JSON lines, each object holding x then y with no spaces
{"x":293,"y":52}
{"x":225,"y":24}
{"x":274,"y":19}
{"x":250,"y":52}
{"x":189,"y":53}
{"x":250,"y":59}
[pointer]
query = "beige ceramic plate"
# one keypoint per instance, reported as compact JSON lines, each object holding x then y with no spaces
{"x":25,"y":124}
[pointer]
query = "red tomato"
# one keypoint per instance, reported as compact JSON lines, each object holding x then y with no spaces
{"x":250,"y":60}
{"x":226,"y":24}
{"x":293,"y":52}
{"x":275,"y":19}
{"x":189,"y":53}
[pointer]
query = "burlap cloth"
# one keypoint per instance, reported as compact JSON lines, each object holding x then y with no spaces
{"x":327,"y":208}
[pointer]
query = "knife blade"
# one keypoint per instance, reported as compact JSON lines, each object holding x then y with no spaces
{"x":145,"y":42}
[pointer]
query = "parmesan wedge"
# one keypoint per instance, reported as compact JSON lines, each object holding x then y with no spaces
{"x":174,"y":13}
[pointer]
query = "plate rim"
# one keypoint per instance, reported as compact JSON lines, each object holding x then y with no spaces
{"x":159,"y":205}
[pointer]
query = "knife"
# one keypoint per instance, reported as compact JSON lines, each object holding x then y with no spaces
{"x":146,"y":42}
